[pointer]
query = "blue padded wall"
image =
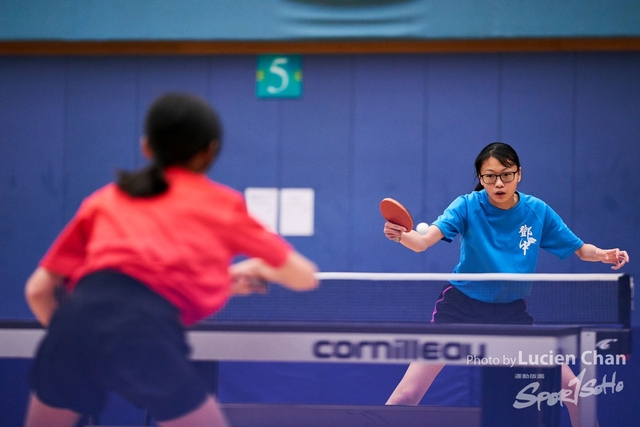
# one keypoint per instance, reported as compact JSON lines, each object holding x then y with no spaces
{"x":316,"y":152}
{"x":32,"y":147}
{"x":387,"y":156}
{"x":607,"y":152}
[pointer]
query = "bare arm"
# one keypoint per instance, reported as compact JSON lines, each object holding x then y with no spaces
{"x":40,"y":292}
{"x":297,"y":273}
{"x":589,"y":252}
{"x":412,"y":239}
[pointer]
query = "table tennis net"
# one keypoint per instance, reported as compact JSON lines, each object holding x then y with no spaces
{"x":564,"y":299}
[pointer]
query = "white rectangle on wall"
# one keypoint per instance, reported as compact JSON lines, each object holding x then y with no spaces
{"x":296,"y":211}
{"x":262,"y":204}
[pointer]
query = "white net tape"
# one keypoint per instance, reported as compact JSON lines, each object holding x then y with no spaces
{"x":537,"y":277}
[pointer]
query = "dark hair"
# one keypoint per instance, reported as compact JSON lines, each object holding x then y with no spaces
{"x":177,"y":126}
{"x":500,"y":151}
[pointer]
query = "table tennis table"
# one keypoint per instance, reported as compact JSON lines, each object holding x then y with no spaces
{"x":371,"y":343}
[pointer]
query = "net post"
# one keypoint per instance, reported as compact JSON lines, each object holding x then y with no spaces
{"x":625,"y":300}
{"x":588,"y":406}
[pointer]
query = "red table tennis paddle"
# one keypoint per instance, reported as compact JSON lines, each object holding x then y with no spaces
{"x":394,"y":212}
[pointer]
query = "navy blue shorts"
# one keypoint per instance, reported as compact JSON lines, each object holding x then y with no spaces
{"x":114,"y":334}
{"x":453,"y":306}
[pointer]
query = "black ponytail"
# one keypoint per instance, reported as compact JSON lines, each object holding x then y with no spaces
{"x":177,"y":127}
{"x":145,"y":182}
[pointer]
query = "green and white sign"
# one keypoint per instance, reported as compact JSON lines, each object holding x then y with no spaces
{"x":279,"y":76}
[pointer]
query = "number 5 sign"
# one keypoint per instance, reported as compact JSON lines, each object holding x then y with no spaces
{"x":279,"y":76}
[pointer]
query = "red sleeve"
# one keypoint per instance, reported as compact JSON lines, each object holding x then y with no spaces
{"x":67,"y":252}
{"x":251,"y":238}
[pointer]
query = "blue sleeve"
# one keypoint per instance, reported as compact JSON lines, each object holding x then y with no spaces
{"x":453,"y":220}
{"x":557,"y":238}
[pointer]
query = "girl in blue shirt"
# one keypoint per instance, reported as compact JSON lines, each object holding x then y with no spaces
{"x":501,"y":231}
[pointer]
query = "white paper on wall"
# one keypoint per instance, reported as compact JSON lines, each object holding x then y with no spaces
{"x":296,"y":211}
{"x":262,"y":204}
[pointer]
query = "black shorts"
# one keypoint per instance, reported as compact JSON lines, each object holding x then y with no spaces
{"x":453,"y":306}
{"x":114,"y":334}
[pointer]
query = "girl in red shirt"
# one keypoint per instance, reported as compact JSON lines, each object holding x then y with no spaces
{"x":142,"y":258}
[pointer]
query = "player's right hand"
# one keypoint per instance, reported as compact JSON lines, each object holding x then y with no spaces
{"x":393,"y":231}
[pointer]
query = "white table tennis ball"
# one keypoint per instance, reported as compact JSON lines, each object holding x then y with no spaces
{"x":422,"y":228}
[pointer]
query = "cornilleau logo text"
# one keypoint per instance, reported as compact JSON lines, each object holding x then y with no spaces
{"x":396,"y":350}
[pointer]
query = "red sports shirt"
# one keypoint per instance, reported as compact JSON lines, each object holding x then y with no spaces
{"x":179,"y":243}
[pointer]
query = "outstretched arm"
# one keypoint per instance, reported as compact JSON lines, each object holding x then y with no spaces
{"x":297,"y":273}
{"x":412,"y":239}
{"x":589,"y":252}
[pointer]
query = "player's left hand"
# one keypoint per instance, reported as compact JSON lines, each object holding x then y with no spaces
{"x":245,"y":285}
{"x":247,"y":277}
{"x":613,"y":256}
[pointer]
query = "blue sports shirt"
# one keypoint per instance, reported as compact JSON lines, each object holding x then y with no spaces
{"x":494,"y":240}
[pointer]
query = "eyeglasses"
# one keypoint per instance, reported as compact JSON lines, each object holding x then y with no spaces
{"x":490,"y":178}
